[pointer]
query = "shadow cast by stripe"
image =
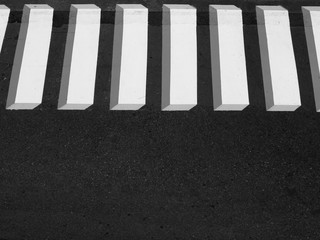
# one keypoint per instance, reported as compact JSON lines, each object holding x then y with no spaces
{"x":204,"y":81}
{"x":54,"y":68}
{"x":103,"y":75}
{"x":6,"y":60}
{"x":154,"y":67}
{"x":254,"y":70}
{"x":303,"y":69}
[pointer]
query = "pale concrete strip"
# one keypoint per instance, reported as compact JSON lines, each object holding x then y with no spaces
{"x":81,"y":56}
{"x":30,"y":62}
{"x":229,"y":75}
{"x":280,"y":77}
{"x":129,"y":63}
{"x":179,"y":57}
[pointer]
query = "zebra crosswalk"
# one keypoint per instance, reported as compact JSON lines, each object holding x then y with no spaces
{"x":179,"y":57}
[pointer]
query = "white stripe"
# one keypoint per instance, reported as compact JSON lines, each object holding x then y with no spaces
{"x":30,"y":62}
{"x":179,"y":57}
{"x":278,"y":62}
{"x":229,"y":75}
{"x":80,"y":60}
{"x":311,"y":16}
{"x":4,"y":16}
{"x":129,"y":63}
